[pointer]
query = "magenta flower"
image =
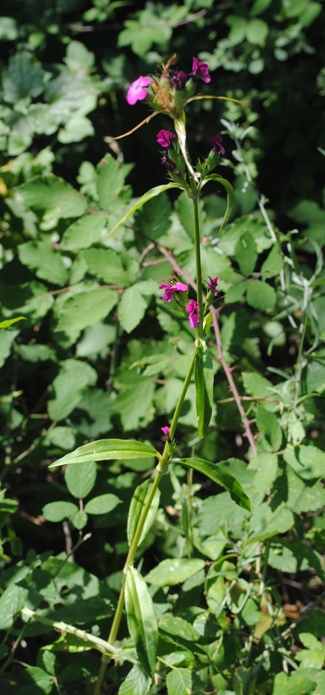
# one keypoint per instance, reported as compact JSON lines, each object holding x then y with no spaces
{"x":216,"y":142}
{"x":170,"y":290}
{"x":178,"y":79}
{"x":200,"y":70}
{"x":165,"y":430}
{"x":193,"y":310}
{"x":164,"y":138}
{"x":212,"y":285}
{"x":137,"y":90}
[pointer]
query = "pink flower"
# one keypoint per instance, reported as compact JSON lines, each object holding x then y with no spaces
{"x":164,"y":138}
{"x":178,"y":79}
{"x":216,"y":142}
{"x":165,"y":430}
{"x":193,"y":310}
{"x":137,"y":90}
{"x":200,"y":70}
{"x":212,"y":285}
{"x":170,"y":290}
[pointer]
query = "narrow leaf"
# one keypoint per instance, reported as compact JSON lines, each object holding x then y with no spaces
{"x":230,"y":196}
{"x":137,"y":503}
{"x":141,"y":619}
{"x":144,"y":199}
{"x":204,"y":388}
{"x":219,"y":476}
{"x":107,"y":450}
{"x":9,"y":322}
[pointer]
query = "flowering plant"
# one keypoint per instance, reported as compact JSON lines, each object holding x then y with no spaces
{"x":168,"y":93}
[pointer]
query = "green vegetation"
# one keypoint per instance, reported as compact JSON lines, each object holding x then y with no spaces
{"x":222,"y":544}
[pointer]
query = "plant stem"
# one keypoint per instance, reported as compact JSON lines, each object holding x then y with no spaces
{"x":160,"y":470}
{"x":199,"y":290}
{"x":62,"y":627}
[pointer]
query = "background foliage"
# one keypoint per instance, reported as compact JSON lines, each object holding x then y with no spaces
{"x":98,"y":354}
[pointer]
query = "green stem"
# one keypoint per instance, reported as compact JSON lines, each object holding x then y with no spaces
{"x":198,"y":266}
{"x":160,"y":470}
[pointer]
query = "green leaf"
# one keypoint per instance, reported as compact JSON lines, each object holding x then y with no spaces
{"x":273,"y":264}
{"x":9,"y":322}
{"x":110,"y":181}
{"x":178,"y":627}
{"x":47,"y":263}
{"x":257,"y":31}
{"x":175,"y":571}
{"x":86,"y":231}
{"x":135,"y":403}
{"x":219,"y":476}
{"x":69,"y":387}
{"x":57,"y":511}
{"x":103,"y":504}
{"x":42,"y":682}
{"x":53,"y":195}
{"x":133,"y":304}
{"x":295,"y":684}
{"x":204,"y":380}
{"x":246,"y":253}
{"x":230,"y":196}
{"x":24,"y":77}
{"x":84,"y":309}
{"x":138,"y":501}
{"x":307,"y":461}
{"x":81,"y":479}
{"x":144,"y":199}
{"x":79,"y":519}
{"x":179,"y":681}
{"x":111,"y":267}
{"x":265,"y":522}
{"x":141,"y":619}
{"x":268,"y":425}
{"x":260,"y":295}
{"x":107,"y":450}
{"x":6,"y":340}
{"x":12,"y":601}
{"x":137,"y":682}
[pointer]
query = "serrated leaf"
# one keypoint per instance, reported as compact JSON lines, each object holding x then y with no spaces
{"x":204,"y":380}
{"x":265,"y":522}
{"x":132,"y":308}
{"x":107,"y":450}
{"x":109,"y":266}
{"x":260,"y":295}
{"x":12,"y":601}
{"x":41,"y":257}
{"x":179,"y":681}
{"x":85,"y":309}
{"x":69,"y":387}
{"x":85,"y":232}
{"x":81,"y":479}
{"x":273,"y":263}
{"x":6,"y":340}
{"x":137,"y":682}
{"x":134,"y":404}
{"x":221,"y":477}
{"x":111,"y":175}
{"x":57,"y":511}
{"x":175,"y":571}
{"x":53,"y":194}
{"x":141,"y":619}
{"x":42,"y":682}
{"x":23,"y":78}
{"x":137,"y":504}
{"x":246,"y":253}
{"x":102,"y":504}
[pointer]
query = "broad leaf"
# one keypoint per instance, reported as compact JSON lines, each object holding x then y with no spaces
{"x":47,"y":263}
{"x":69,"y":387}
{"x":110,"y":180}
{"x":53,"y":195}
{"x":107,"y":450}
{"x":57,"y":511}
{"x":141,"y":619}
{"x":175,"y":571}
{"x":246,"y":253}
{"x":137,"y":682}
{"x":103,"y":504}
{"x":85,"y":309}
{"x":219,"y":476}
{"x":81,"y":479}
{"x":87,"y":230}
{"x":260,"y":295}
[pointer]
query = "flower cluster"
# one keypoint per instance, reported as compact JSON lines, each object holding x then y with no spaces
{"x":172,"y":290}
{"x":169,"y":91}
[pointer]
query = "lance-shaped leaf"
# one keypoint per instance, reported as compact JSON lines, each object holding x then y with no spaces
{"x":9,"y":322}
{"x":152,"y":193}
{"x":204,"y":388}
{"x":137,"y":503}
{"x":219,"y":476}
{"x":230,"y":196}
{"x":141,"y":619}
{"x":107,"y":450}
